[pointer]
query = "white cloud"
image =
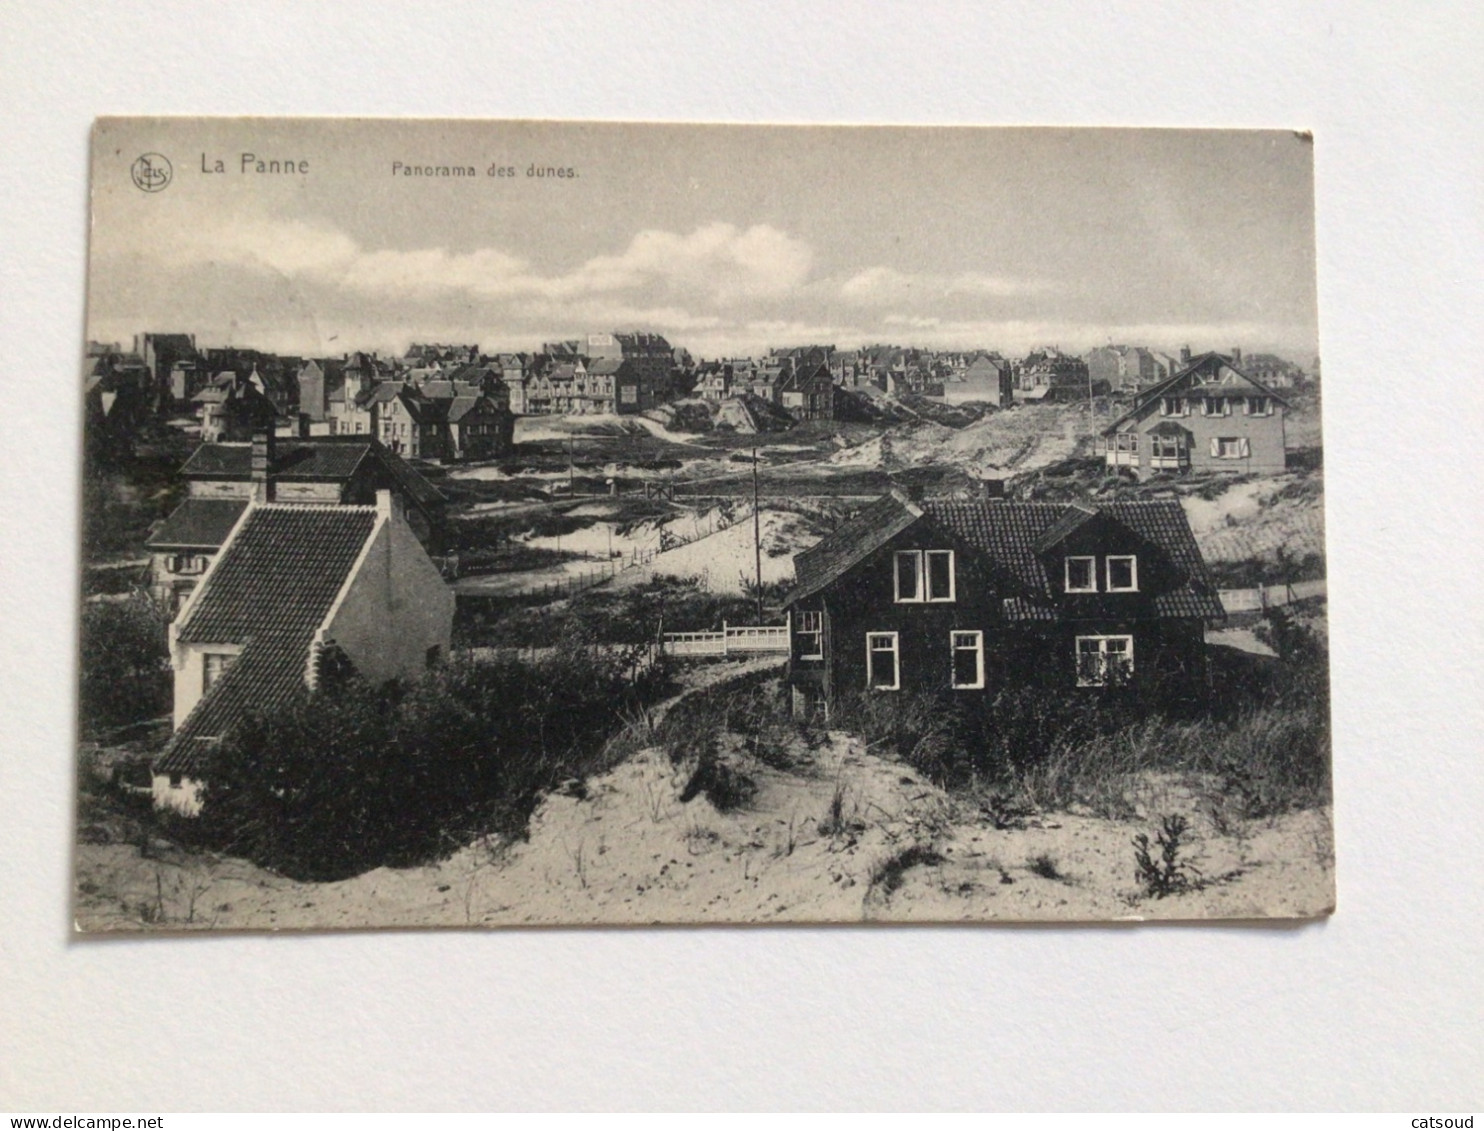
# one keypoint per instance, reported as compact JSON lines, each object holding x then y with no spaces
{"x":886,"y":286}
{"x":716,"y":262}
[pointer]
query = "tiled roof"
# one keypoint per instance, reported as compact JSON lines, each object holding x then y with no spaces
{"x":279,"y":574}
{"x":423,"y":410}
{"x":1074,"y":516}
{"x":852,"y":540}
{"x":268,"y":593}
{"x":1184,"y":378}
{"x":1014,"y":536}
{"x":309,"y":459}
{"x":460,"y":407}
{"x":385,"y":392}
{"x":331,"y":457}
{"x":198,"y":524}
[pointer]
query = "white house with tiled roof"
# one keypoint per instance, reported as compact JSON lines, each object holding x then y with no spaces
{"x":292,"y":587}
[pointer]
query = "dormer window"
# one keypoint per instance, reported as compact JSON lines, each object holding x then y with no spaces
{"x":1173,"y":406}
{"x":1123,"y":573}
{"x":924,"y":575}
{"x":214,"y":665}
{"x":1215,"y":406}
{"x":1082,"y":575}
{"x":1259,"y":406}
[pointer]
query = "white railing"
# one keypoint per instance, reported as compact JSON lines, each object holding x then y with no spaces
{"x":729,"y":640}
{"x":1268,"y":596}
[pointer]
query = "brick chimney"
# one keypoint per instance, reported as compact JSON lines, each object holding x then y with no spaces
{"x":1236,"y":355}
{"x":263,"y":455}
{"x":1184,"y":354}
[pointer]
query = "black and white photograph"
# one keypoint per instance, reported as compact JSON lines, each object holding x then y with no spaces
{"x":496,"y":523}
{"x":740,"y":557}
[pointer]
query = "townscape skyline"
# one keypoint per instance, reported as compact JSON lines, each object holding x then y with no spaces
{"x":728,"y":240}
{"x":488,"y":348}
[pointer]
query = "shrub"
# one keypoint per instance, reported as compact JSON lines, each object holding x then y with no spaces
{"x":1044,"y":865}
{"x":125,"y":662}
{"x":889,"y":873}
{"x":920,"y":730}
{"x":1167,"y":875}
{"x":335,"y":783}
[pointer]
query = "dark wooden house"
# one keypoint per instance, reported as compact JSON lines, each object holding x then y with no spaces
{"x":965,"y":598}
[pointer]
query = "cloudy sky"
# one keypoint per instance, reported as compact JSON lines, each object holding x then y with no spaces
{"x":727,"y":240}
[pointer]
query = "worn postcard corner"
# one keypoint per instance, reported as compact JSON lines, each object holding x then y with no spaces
{"x":495,"y":523}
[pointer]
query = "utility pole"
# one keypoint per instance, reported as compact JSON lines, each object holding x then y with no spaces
{"x":757,"y":533}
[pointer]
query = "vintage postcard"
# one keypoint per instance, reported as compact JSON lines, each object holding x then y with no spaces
{"x":494,"y":523}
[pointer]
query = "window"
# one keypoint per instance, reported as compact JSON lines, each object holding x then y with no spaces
{"x":1230,"y":447}
{"x":1082,"y":575}
{"x":1104,"y":660}
{"x":1123,"y":574}
{"x":214,"y":665}
{"x":810,"y":635}
{"x":909,"y":575}
{"x":939,"y":575}
{"x":1215,"y":406}
{"x":629,"y":394}
{"x":924,"y":575}
{"x":1259,"y":406}
{"x":883,"y":672}
{"x":968,"y":660}
{"x":1173,"y":406}
{"x":1167,"y":447}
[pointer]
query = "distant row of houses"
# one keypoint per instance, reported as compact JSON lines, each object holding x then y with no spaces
{"x":445,"y":402}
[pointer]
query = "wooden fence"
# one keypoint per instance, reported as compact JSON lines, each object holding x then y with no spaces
{"x":1270,"y":596}
{"x":733,"y":639}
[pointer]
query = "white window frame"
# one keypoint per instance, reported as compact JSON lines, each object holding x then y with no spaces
{"x":915,"y":556}
{"x":1242,"y":449}
{"x":1103,"y":666}
{"x":1259,"y":406}
{"x":1092,"y":573}
{"x":223,"y":663}
{"x":955,"y":646}
{"x":1223,"y":406}
{"x":1168,"y":447}
{"x":1133,"y":562}
{"x":811,"y":623}
{"x":927,"y":577}
{"x":896,"y":661}
{"x":1174,"y":406}
{"x":923,"y":573}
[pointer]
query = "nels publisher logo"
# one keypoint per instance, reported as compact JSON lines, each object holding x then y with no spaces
{"x":151,"y":172}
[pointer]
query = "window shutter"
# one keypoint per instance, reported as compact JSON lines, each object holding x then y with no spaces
{"x":1245,"y":447}
{"x":1215,"y":448}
